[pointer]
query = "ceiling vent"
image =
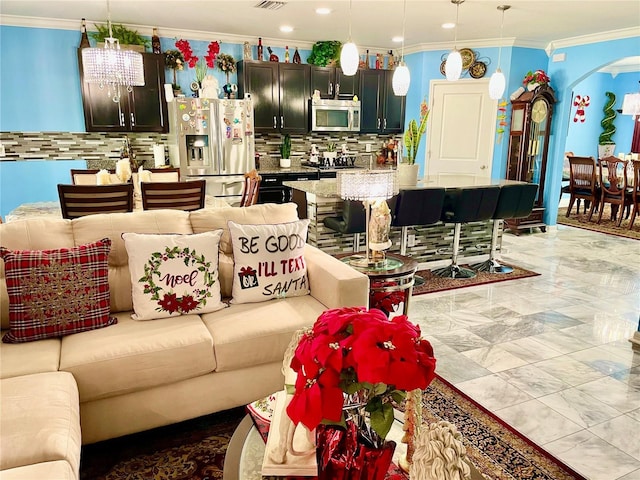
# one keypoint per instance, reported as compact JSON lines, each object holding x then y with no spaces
{"x":270,"y":5}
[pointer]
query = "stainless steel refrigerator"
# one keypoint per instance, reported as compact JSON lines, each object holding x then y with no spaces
{"x":213,"y":139}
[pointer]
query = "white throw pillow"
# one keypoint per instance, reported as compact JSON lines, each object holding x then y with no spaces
{"x":173,"y":275}
{"x":269,"y":261}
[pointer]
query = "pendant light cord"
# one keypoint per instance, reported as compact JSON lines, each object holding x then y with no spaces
{"x":349,"y":20}
{"x":109,"y":19}
{"x":501,"y":35}
{"x":455,"y":33}
{"x":404,"y":23}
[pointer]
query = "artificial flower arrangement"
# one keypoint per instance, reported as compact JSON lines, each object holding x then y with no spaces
{"x":226,"y":63}
{"x":201,"y":65}
{"x":539,"y":77}
{"x":174,"y":60}
{"x":414,"y":133}
{"x":357,"y":361}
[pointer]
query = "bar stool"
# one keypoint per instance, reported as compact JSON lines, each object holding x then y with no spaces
{"x":463,"y":205}
{"x":353,"y":220}
{"x":416,"y":208}
{"x":515,"y":201}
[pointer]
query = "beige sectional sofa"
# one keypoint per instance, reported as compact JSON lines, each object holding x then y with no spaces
{"x":137,"y":375}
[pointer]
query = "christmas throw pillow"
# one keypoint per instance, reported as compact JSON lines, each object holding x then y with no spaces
{"x":269,"y":261}
{"x":58,"y":292}
{"x":173,"y":275}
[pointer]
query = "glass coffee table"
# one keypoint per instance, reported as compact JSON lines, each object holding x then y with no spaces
{"x":245,"y":453}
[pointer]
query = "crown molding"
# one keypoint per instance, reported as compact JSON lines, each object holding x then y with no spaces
{"x":592,"y":38}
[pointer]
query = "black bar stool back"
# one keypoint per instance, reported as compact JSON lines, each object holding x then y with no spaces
{"x":416,"y":208}
{"x":353,"y":220}
{"x":515,"y":201}
{"x":463,"y":205}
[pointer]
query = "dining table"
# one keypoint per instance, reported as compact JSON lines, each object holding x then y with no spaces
{"x":51,"y":209}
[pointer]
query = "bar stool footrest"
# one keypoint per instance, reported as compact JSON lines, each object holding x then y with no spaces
{"x":492,"y":266}
{"x":454,"y":271}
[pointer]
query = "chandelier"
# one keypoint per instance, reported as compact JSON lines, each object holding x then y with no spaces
{"x":111,"y":67}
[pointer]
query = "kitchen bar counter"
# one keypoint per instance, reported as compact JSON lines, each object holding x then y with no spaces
{"x":317,"y":199}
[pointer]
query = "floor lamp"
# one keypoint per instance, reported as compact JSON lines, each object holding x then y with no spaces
{"x":366,"y":186}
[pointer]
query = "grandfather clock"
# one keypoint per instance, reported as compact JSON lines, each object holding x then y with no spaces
{"x":529,"y":132}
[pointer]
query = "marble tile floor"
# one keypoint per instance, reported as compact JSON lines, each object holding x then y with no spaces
{"x":550,"y":354}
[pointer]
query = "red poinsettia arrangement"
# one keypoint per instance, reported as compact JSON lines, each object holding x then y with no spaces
{"x":191,"y":59}
{"x":356,"y":353}
{"x":383,"y":297}
{"x":539,"y":76}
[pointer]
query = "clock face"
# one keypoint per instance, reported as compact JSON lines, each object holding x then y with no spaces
{"x":539,"y":111}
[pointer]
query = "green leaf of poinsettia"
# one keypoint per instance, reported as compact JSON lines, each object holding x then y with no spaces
{"x":382,"y":419}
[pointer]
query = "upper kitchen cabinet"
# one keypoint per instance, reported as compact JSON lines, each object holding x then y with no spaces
{"x":382,"y":111}
{"x":332,"y":83}
{"x":144,"y":109}
{"x":280,"y":94}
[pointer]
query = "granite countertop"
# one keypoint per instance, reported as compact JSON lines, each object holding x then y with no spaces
{"x":322,"y":188}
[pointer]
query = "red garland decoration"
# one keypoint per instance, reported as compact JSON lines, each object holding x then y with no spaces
{"x":191,"y":59}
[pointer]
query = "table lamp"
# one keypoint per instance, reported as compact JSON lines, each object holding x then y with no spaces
{"x":366,"y":186}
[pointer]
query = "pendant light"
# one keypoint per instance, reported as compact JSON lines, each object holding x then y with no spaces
{"x":111,"y":67}
{"x":453,"y":66}
{"x":401,"y":76}
{"x":498,"y":83}
{"x":349,"y":57}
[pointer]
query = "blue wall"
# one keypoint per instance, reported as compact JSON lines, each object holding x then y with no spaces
{"x":33,"y":181}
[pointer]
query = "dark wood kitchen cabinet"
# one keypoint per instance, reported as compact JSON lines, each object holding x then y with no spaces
{"x":280,"y":94}
{"x":382,"y":111}
{"x":144,"y":109}
{"x":332,"y":83}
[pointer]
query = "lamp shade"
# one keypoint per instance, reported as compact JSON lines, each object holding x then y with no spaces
{"x":366,"y":185}
{"x":497,"y":85}
{"x":631,"y":104}
{"x":453,"y":67}
{"x":349,"y":59}
{"x":401,"y":80}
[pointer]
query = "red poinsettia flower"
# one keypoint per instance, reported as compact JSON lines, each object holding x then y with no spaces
{"x":187,"y":303}
{"x":357,"y":351}
{"x":169,"y":302}
{"x":212,"y":53}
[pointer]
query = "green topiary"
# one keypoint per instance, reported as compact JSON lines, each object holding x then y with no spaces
{"x":122,"y":33}
{"x":325,"y":52}
{"x":608,"y":129}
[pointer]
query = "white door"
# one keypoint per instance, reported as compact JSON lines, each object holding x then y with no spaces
{"x":462,"y":128}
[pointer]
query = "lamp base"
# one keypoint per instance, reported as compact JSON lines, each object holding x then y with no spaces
{"x":361,"y":261}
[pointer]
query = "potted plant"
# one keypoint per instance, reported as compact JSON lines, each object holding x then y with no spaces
{"x":606,"y":146}
{"x":174,"y":60}
{"x":285,"y":151}
{"x":325,"y":53}
{"x":123,"y":35}
{"x":330,"y":154}
{"x":407,"y":169}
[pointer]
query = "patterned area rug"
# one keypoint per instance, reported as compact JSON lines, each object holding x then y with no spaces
{"x":437,"y":284}
{"x":605,"y":226}
{"x":195,"y":449}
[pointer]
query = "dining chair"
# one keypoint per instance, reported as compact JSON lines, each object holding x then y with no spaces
{"x":614,"y":187}
{"x":635,"y":192}
{"x":173,"y":195}
{"x":251,"y":188}
{"x":583,"y":184}
{"x":171,"y":174}
{"x":80,"y":200}
{"x":88,"y":176}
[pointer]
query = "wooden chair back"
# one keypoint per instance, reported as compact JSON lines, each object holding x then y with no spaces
{"x":635,"y":192}
{"x":186,"y":196}
{"x":80,"y":200}
{"x":88,"y":176}
{"x":161,"y":174}
{"x":251,"y":188}
{"x":582,"y":174}
{"x":614,"y":187}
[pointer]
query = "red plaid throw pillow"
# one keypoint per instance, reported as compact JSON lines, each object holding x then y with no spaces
{"x":53,"y":293}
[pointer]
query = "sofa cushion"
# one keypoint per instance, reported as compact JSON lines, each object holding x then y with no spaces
{"x":57,"y":292}
{"x":31,"y":357}
{"x":132,"y":355}
{"x":58,"y":470}
{"x":256,"y":333}
{"x":208,"y":219}
{"x":34,"y":234}
{"x":173,"y":275}
{"x":40,"y":420}
{"x":269,"y":261}
{"x":113,"y":225}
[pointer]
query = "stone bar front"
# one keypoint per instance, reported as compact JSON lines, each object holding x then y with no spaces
{"x":317,"y":199}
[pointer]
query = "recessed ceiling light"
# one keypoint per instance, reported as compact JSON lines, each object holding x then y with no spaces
{"x":323,"y":11}
{"x":448,"y":25}
{"x":397,"y":39}
{"x":286,"y":29}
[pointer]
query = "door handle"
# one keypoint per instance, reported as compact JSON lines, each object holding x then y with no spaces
{"x":281,"y":121}
{"x":378,"y":123}
{"x":133,"y":120}
{"x":275,"y":122}
{"x":384,"y":125}
{"x":483,"y":167}
{"x":122,"y":119}
{"x":330,"y":89}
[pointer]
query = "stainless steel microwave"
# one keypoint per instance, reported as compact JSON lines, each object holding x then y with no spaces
{"x":335,"y":115}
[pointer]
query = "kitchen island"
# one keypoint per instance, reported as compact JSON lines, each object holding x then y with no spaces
{"x":317,"y":199}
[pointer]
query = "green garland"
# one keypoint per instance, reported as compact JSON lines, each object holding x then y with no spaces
{"x":608,"y":129}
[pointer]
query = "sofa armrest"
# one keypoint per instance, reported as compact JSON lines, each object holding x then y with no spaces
{"x":334,"y":283}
